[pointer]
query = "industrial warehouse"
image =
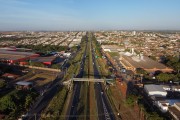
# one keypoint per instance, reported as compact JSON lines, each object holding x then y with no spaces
{"x":15,"y":56}
{"x":132,"y":62}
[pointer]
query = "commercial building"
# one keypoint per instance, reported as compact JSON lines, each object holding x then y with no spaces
{"x":162,"y":105}
{"x":165,"y":104}
{"x":15,"y":57}
{"x":23,"y":85}
{"x":10,"y":76}
{"x":133,"y":62}
{"x":112,"y":48}
{"x":155,"y":90}
{"x":45,"y":60}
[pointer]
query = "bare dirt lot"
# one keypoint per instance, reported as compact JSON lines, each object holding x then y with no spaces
{"x":126,"y":112}
{"x":40,"y":78}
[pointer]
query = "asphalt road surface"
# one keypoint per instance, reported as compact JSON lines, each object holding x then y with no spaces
{"x":104,"y":109}
{"x":76,"y":92}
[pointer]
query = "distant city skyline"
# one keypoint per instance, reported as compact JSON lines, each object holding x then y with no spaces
{"x":59,"y":15}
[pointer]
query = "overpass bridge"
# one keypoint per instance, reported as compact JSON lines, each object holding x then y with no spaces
{"x":69,"y":83}
{"x":90,"y":80}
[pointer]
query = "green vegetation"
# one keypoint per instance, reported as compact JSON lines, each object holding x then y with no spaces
{"x":100,"y":61}
{"x":37,"y":64}
{"x":173,"y":62}
{"x":131,"y":99}
{"x":55,"y":107}
{"x":112,"y":100}
{"x":103,"y":71}
{"x":149,"y":115}
{"x":75,"y":62}
{"x":55,"y":66}
{"x":141,"y":71}
{"x":75,"y":48}
{"x":9,"y":102}
{"x":165,"y":77}
{"x":92,"y":106}
{"x":113,"y":54}
{"x":83,"y":105}
{"x":2,"y":83}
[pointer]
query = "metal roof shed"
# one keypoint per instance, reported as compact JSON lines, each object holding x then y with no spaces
{"x":155,"y":90}
{"x":24,"y":83}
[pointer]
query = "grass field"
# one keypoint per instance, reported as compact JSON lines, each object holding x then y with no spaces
{"x":92,"y":101}
{"x":83,"y":105}
{"x":113,"y":54}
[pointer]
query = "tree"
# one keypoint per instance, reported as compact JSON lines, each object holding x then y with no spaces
{"x":141,"y":71}
{"x":176,"y":66}
{"x":2,"y":83}
{"x":153,"y":116}
{"x":7,"y":103}
{"x":165,"y":77}
{"x":173,"y":62}
{"x":131,"y":99}
{"x":28,"y":101}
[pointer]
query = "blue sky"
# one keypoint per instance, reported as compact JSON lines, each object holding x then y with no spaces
{"x":89,"y":14}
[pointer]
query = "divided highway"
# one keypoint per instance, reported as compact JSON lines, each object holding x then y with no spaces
{"x":103,"y":106}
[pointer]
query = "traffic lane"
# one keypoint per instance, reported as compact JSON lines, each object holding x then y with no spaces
{"x":101,"y":96}
{"x":99,"y":102}
{"x":73,"y":111}
{"x":76,"y":94}
{"x":111,"y":114}
{"x":71,"y":102}
{"x":98,"y":93}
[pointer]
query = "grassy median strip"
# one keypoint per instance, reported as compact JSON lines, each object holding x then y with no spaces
{"x":101,"y":62}
{"x":75,"y":64}
{"x":74,"y":70}
{"x":83,"y":108}
{"x":92,"y":101}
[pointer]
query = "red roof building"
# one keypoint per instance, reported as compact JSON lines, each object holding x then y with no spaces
{"x":15,"y":57}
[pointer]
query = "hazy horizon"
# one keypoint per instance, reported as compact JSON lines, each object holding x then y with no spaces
{"x":84,"y":15}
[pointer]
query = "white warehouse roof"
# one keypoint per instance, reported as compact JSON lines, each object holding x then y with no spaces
{"x":155,"y":90}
